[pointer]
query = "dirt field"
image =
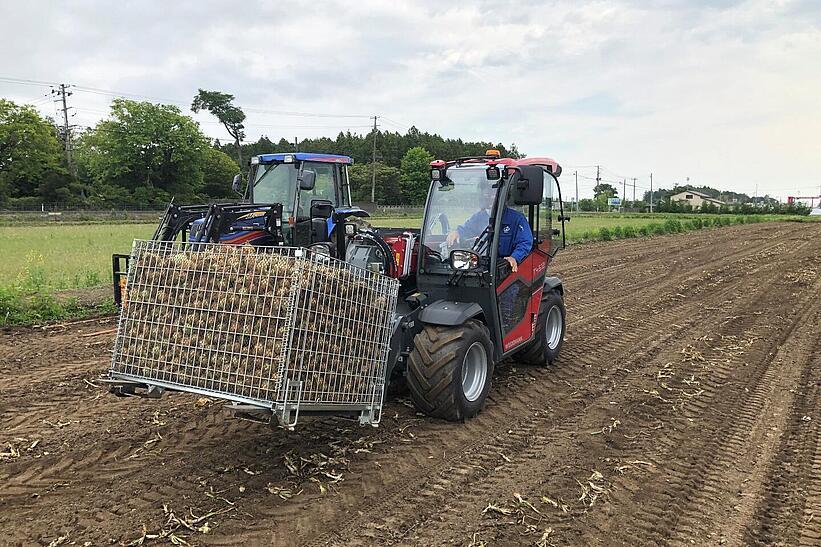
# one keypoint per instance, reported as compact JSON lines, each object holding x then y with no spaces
{"x":683,"y":410}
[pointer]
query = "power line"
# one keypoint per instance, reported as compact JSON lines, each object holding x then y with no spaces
{"x":23,"y":81}
{"x":113,"y":93}
{"x":395,"y":123}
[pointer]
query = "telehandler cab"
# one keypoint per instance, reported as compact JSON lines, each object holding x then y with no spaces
{"x":466,"y":309}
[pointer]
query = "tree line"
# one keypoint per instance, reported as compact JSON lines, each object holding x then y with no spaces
{"x":145,"y":154}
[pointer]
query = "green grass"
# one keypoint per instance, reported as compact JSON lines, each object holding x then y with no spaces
{"x":578,"y":224}
{"x":18,"y":307}
{"x":49,"y":258}
{"x":39,"y":260}
{"x":608,"y":226}
{"x":57,"y":257}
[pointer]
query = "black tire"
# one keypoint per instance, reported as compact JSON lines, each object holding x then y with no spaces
{"x":547,"y":344}
{"x":435,"y":370}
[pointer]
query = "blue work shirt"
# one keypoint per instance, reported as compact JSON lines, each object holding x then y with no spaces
{"x":515,"y":236}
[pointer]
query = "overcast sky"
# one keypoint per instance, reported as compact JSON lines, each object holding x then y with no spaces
{"x":726,"y":93}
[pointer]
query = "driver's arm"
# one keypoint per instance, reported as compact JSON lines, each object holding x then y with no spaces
{"x":522,"y":241}
{"x":472,"y":227}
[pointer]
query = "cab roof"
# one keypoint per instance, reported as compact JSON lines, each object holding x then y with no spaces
{"x":304,"y":156}
{"x":555,"y":168}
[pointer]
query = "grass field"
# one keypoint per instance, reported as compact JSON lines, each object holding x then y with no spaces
{"x":577,"y":225}
{"x":58,"y":256}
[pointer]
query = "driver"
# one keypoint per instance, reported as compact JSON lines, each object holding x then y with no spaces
{"x":515,"y":237}
{"x":515,"y":243}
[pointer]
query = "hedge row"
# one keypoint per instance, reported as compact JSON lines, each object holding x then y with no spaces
{"x":19,"y":307}
{"x":669,"y":226}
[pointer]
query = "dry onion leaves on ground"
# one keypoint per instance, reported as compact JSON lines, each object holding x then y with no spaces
{"x":517,"y":511}
{"x":177,"y":530}
{"x":594,"y":487}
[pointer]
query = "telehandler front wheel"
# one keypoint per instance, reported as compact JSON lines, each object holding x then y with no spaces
{"x":450,"y":369}
{"x":550,"y":327}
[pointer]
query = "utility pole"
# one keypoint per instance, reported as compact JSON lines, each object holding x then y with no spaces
{"x":634,"y":190}
{"x":651,"y":192}
{"x":598,"y":181}
{"x":576,"y":174}
{"x":296,"y":144}
{"x":66,"y":130}
{"x":373,"y":164}
{"x":623,"y":192}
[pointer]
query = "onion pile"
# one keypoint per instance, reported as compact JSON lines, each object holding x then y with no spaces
{"x":243,"y":322}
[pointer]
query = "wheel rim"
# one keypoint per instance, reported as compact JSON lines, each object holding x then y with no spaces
{"x":474,"y":371}
{"x":553,"y":328}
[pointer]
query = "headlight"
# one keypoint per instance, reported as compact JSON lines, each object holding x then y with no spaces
{"x":464,"y":260}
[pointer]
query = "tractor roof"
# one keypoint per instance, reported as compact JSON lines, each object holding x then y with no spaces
{"x":304,"y":156}
{"x":555,"y":168}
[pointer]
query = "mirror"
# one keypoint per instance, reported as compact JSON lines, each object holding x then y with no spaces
{"x":464,"y":260}
{"x":235,"y":183}
{"x":493,"y":173}
{"x":527,"y":185}
{"x":307,"y":180}
{"x":321,"y":208}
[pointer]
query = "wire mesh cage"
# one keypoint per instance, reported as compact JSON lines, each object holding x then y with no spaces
{"x":277,"y":327}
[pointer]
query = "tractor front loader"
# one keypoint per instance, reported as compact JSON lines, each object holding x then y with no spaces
{"x":285,"y":306}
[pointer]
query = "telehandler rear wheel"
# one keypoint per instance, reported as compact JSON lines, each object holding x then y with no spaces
{"x":550,"y":327}
{"x":450,"y":369}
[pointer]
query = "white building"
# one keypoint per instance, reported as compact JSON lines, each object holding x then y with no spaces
{"x":695,"y":199}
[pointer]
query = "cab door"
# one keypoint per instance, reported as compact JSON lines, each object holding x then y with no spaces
{"x":519,"y":294}
{"x":514,"y":289}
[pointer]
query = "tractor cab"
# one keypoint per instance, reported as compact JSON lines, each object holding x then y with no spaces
{"x":310,"y":188}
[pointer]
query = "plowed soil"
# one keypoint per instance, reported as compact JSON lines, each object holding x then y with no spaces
{"x":684,"y":409}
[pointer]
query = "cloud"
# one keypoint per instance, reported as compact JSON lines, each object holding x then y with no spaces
{"x":725,"y":93}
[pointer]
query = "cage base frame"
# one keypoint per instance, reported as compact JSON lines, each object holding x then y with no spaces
{"x":284,"y":414}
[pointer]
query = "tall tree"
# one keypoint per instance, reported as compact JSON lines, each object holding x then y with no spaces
{"x":230,"y":116}
{"x":218,"y":170}
{"x":415,"y":168}
{"x":604,"y":190}
{"x":144,"y":153}
{"x":387,"y":183}
{"x":29,"y":151}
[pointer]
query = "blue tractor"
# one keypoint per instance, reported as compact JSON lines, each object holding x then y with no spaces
{"x":291,"y":199}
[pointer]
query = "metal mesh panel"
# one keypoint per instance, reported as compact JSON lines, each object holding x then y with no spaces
{"x":341,"y":332}
{"x":250,"y":323}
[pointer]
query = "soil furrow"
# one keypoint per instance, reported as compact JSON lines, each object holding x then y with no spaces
{"x":682,"y":353}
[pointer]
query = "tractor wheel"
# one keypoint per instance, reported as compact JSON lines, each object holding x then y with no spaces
{"x":550,"y":327}
{"x":449,"y":370}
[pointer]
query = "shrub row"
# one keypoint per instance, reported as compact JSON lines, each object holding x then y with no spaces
{"x":20,"y":307}
{"x":669,"y":226}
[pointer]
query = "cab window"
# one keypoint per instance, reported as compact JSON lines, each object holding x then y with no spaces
{"x":324,"y":187}
{"x":550,"y":234}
